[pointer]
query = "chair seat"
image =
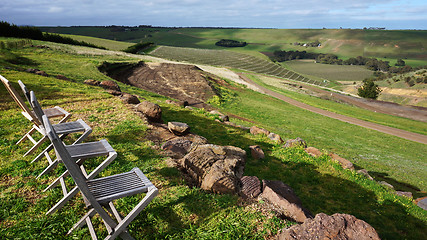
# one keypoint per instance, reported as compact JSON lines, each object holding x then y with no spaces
{"x":90,"y":149}
{"x":71,"y":127}
{"x":55,"y":112}
{"x":109,"y":188}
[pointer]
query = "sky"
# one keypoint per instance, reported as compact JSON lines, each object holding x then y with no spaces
{"x":391,"y":14}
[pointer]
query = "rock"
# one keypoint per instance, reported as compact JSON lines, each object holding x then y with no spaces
{"x":169,"y":102}
{"x":251,"y":187}
{"x":114,"y":92}
{"x":422,"y":202}
{"x":256,"y":130}
{"x":32,"y":70}
{"x":178,"y":128}
{"x":365,"y":173}
{"x":275,"y":137}
{"x":215,"y":168}
{"x":42,"y":73}
{"x":151,"y":110}
{"x":229,"y":123}
{"x":62,"y":77}
{"x":297,"y":142}
{"x":312,"y":151}
{"x":91,"y":82}
{"x":129,"y":98}
{"x":342,"y":161}
{"x":177,"y":147}
{"x":257,"y":152}
{"x":337,"y":226}
{"x":109,"y":84}
{"x":386,"y":184}
{"x":404,"y":194}
{"x":224,"y":118}
{"x":283,"y":196}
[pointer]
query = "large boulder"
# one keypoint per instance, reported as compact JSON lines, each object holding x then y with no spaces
{"x":129,"y":98}
{"x":346,"y":164}
{"x":284,"y":198}
{"x":251,"y":187}
{"x":91,"y":82}
{"x":297,"y":142}
{"x":215,"y":168}
{"x":256,"y":130}
{"x":275,"y":137}
{"x":257,"y":152}
{"x":178,"y":128}
{"x":177,"y":147}
{"x":151,"y":110}
{"x":108,"y":84}
{"x":312,"y":151}
{"x":337,"y":226}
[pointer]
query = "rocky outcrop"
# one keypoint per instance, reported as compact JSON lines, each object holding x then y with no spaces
{"x":178,"y":128}
{"x":108,"y":84}
{"x":312,"y":151}
{"x":275,"y":137}
{"x":91,"y":82}
{"x":151,"y":110}
{"x":297,"y":142}
{"x":257,"y":152}
{"x":215,"y":168}
{"x":251,"y":187}
{"x":129,"y":98}
{"x":337,"y":226}
{"x":342,"y":161}
{"x":177,"y":147}
{"x":256,"y":130}
{"x":283,"y":197}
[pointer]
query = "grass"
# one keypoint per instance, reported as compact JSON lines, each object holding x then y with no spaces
{"x":109,"y":44}
{"x":330,"y":72}
{"x":180,"y":212}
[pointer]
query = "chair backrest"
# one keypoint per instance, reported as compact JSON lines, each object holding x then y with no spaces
{"x":25,"y":91}
{"x":38,"y":111}
{"x":18,"y":99}
{"x":75,"y":171}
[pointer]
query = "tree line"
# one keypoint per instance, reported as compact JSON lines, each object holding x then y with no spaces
{"x":230,"y":43}
{"x":12,"y":30}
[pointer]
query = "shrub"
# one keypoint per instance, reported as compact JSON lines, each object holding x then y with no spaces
{"x":138,"y":47}
{"x":369,"y":89}
{"x":230,"y":43}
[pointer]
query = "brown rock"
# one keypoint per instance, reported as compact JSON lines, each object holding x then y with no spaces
{"x":32,"y":70}
{"x":257,"y":152}
{"x":177,"y":148}
{"x":283,"y":196}
{"x":42,"y":73}
{"x":421,"y":202}
{"x":91,"y":82}
{"x":151,"y":110}
{"x":275,"y":137}
{"x":215,"y":168}
{"x":342,"y":161}
{"x":109,"y":84}
{"x":62,"y":77}
{"x":404,"y":194}
{"x":178,"y":128}
{"x":297,"y":142}
{"x":251,"y":187}
{"x":337,"y":226}
{"x":256,"y":130}
{"x":365,"y":173}
{"x":313,"y":151}
{"x":384,"y":183}
{"x":129,"y":98}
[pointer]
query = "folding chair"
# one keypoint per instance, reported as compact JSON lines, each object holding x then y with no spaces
{"x":50,"y":113}
{"x":79,"y":153}
{"x":63,"y":129}
{"x":100,"y":192}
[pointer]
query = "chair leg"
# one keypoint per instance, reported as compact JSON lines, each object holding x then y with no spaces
{"x":36,"y":145}
{"x":26,"y":135}
{"x":82,"y":220}
{"x":49,"y":168}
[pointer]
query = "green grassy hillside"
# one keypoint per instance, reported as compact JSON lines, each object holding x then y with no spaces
{"x":181,"y":212}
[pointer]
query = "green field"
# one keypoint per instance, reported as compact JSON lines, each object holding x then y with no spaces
{"x":181,"y":212}
{"x":329,"y":72}
{"x":346,"y":43}
{"x":108,"y":44}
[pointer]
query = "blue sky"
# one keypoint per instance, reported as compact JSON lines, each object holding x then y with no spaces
{"x":392,"y":14}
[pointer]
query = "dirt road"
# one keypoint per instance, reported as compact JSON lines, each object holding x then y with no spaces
{"x":381,"y":128}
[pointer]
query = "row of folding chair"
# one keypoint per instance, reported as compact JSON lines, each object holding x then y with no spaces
{"x":99,"y":193}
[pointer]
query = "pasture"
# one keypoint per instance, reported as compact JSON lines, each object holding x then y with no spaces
{"x":328,"y":71}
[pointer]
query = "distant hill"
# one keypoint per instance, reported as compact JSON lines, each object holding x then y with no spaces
{"x":384,"y":44}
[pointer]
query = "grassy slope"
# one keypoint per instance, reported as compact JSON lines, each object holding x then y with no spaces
{"x":180,"y":212}
{"x":109,"y":44}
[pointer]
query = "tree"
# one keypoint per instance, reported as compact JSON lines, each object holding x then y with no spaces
{"x":369,"y":89}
